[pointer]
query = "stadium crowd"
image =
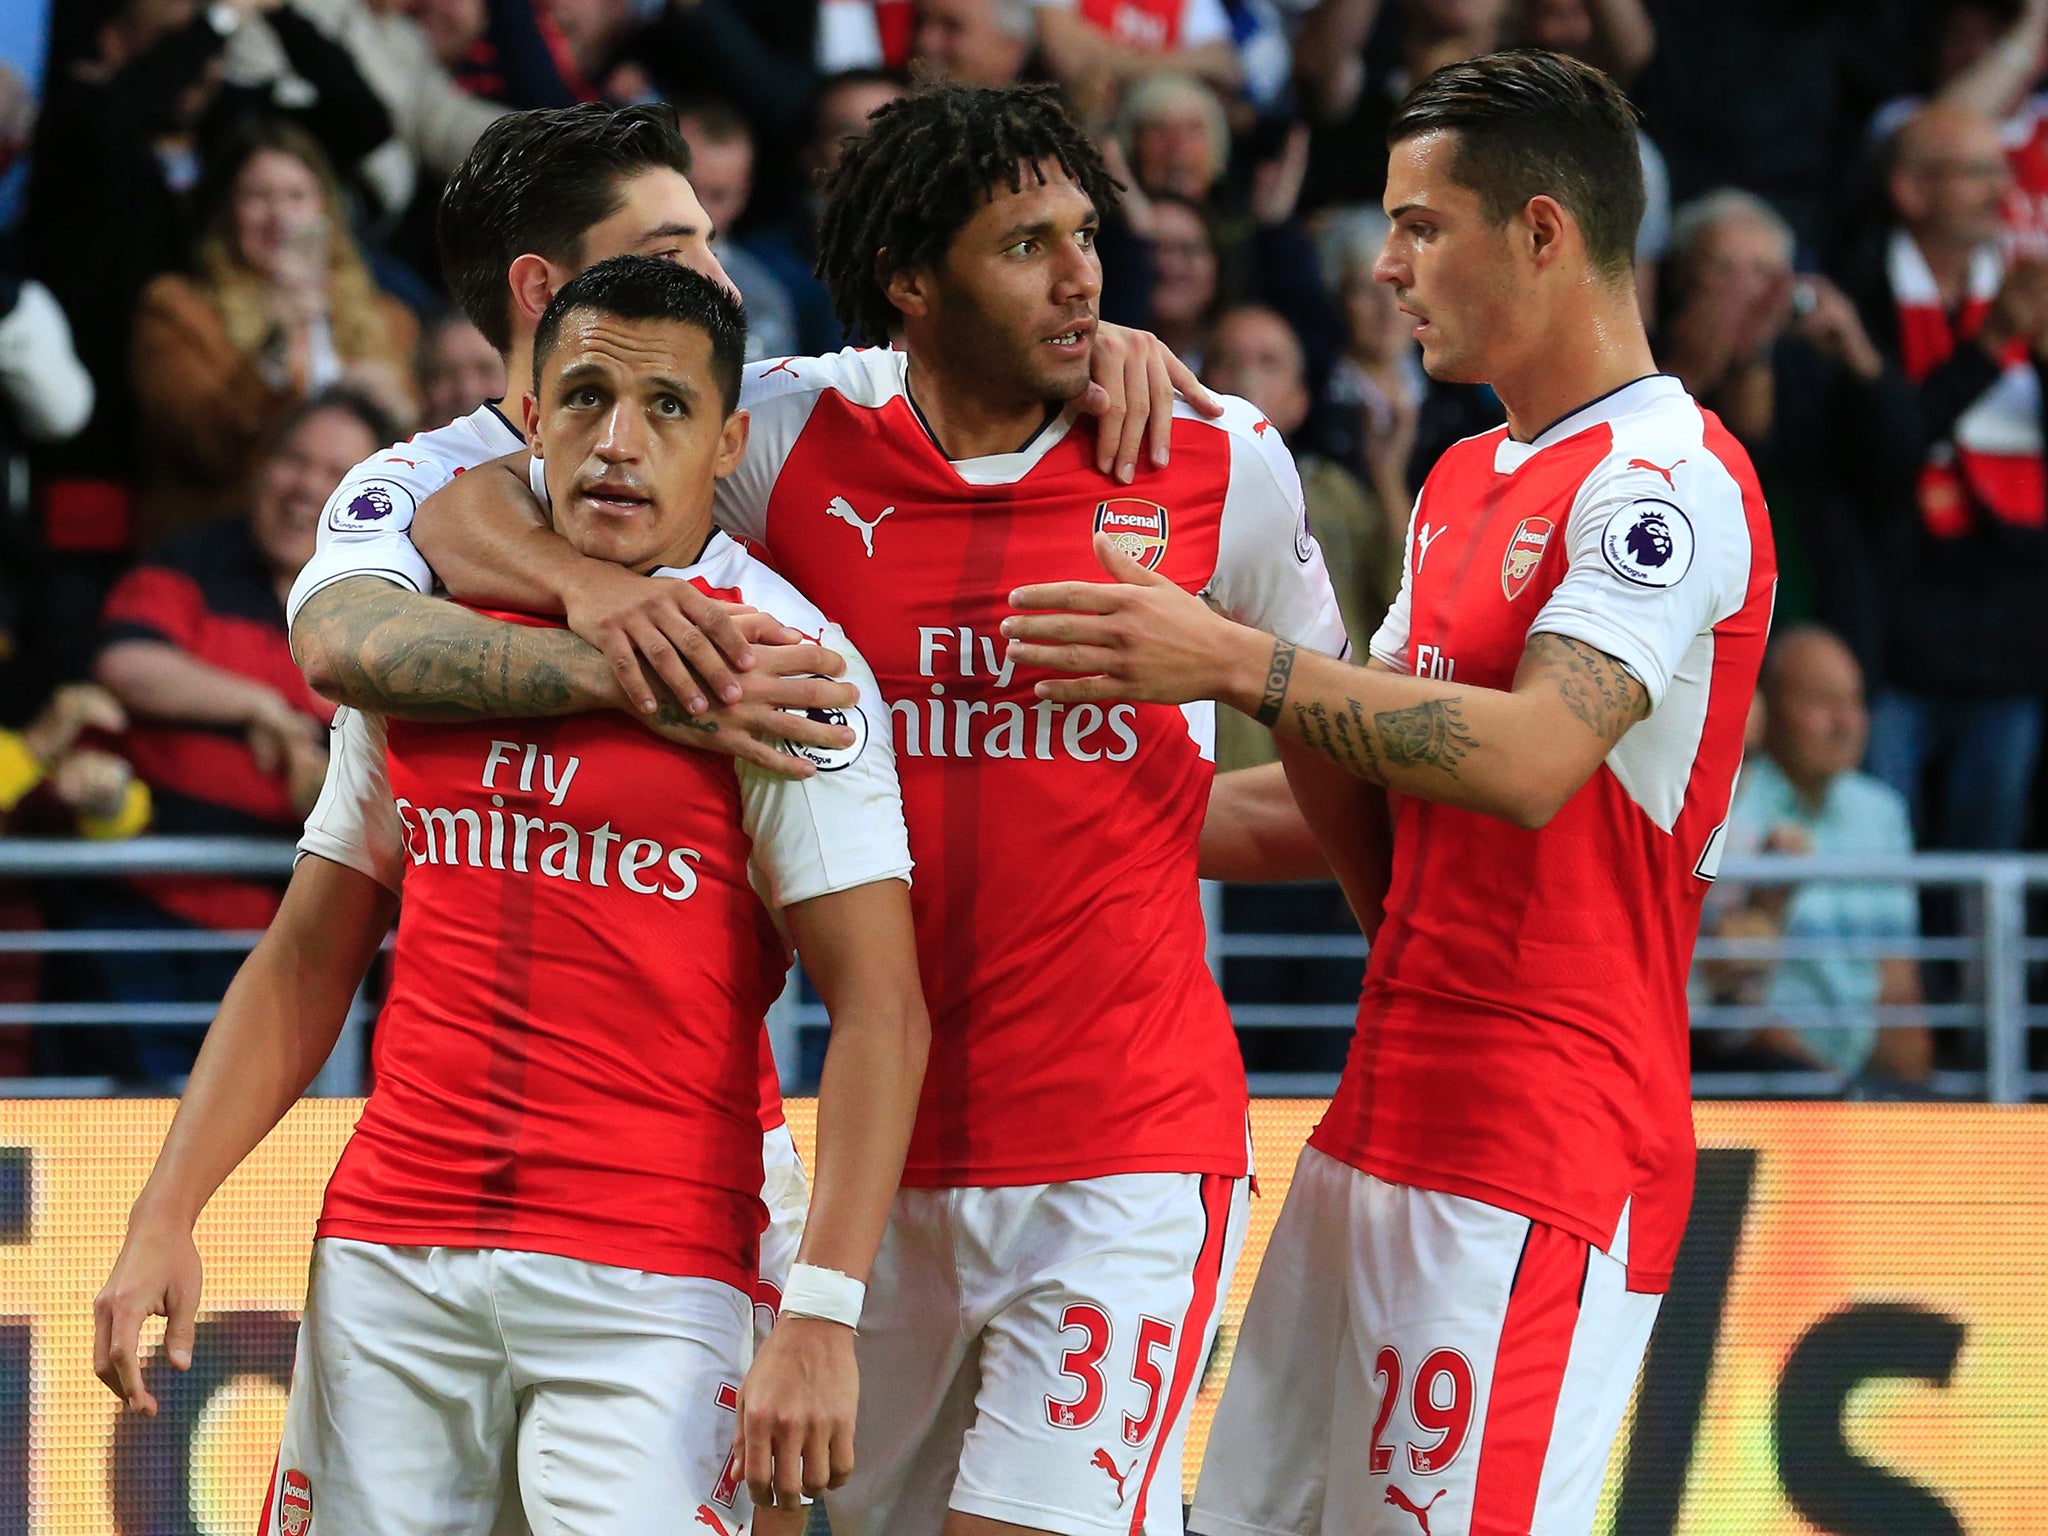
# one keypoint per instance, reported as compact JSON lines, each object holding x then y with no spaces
{"x":218,"y":291}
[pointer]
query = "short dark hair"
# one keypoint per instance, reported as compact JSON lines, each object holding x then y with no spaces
{"x":644,"y":288}
{"x":926,"y":165}
{"x":537,"y":181}
{"x":1536,"y":124}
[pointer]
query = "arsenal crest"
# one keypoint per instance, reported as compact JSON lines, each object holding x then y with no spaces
{"x":295,"y":1503}
{"x":1525,"y":553}
{"x":1138,"y":528}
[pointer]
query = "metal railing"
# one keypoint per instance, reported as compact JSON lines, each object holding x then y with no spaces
{"x":29,"y":858}
{"x":1990,"y":955}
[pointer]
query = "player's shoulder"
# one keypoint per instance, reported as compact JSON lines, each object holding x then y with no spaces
{"x":866,"y":376}
{"x":385,"y":489}
{"x":1240,"y":420}
{"x":732,"y":570}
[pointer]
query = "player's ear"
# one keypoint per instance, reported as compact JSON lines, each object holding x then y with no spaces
{"x":532,"y":281}
{"x":732,"y":444}
{"x":529,"y":414}
{"x":909,"y":288}
{"x":1544,"y":223}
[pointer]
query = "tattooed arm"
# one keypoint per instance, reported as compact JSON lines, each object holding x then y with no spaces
{"x":1518,"y":753}
{"x":374,"y":646}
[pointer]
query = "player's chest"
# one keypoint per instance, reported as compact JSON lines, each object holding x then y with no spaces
{"x":585,"y":801}
{"x":919,"y":571}
{"x":1482,"y":565}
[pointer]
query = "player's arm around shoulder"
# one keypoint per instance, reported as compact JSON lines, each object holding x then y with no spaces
{"x":275,"y":1028}
{"x":834,"y":855}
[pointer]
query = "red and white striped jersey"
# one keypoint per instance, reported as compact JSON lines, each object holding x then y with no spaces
{"x":1076,"y":1030}
{"x":1522,"y":1035}
{"x":569,"y":1058}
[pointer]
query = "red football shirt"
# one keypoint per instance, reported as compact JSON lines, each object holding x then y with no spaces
{"x":1522,"y":1035}
{"x":1076,"y":1029}
{"x":570,"y":1059}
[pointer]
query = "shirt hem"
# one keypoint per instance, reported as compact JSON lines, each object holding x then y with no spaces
{"x":1653,"y":1281}
{"x":1233,"y":1165}
{"x":651,"y":1261}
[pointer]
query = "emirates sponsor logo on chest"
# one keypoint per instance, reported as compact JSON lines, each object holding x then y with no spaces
{"x":943,"y":724}
{"x":503,"y":838}
{"x":1138,"y":528}
{"x":1525,"y":553}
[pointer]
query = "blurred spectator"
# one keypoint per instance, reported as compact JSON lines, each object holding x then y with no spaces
{"x":45,"y":392}
{"x":1614,"y":35}
{"x":1256,"y":354}
{"x":1123,"y":39}
{"x":509,"y":51}
{"x":281,"y":307}
{"x":1184,"y":288}
{"x":97,"y":796}
{"x":1772,"y":96}
{"x":789,"y":247}
{"x":458,"y":370}
{"x":1381,"y":415}
{"x":1957,"y":727}
{"x":1352,"y":75}
{"x":95,"y":786}
{"x":722,"y":171}
{"x":1789,"y":366}
{"x":1989,"y":58}
{"x":1804,"y":796}
{"x":1174,"y":137}
{"x":434,"y":120}
{"x":133,"y":109}
{"x":973,"y":42}
{"x":225,"y":730}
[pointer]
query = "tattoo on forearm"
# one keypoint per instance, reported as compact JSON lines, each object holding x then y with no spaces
{"x":1427,"y":735}
{"x":1278,"y":671}
{"x":1340,"y":736}
{"x":1594,"y":686}
{"x":384,"y":652}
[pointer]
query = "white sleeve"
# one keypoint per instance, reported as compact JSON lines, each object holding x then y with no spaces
{"x":777,"y":393}
{"x":1651,"y":566}
{"x":354,"y":822}
{"x":1389,"y":643}
{"x":1269,"y":568}
{"x":366,"y":527}
{"x":843,"y":826}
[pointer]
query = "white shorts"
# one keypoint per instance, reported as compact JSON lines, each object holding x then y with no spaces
{"x":441,"y":1391}
{"x":1031,"y":1354}
{"x":787,"y":1194}
{"x":1414,"y":1362}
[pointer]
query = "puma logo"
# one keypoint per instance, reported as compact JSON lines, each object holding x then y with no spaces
{"x":1102,"y":1459}
{"x":1658,"y":468}
{"x":845,"y":513}
{"x":1424,"y":537}
{"x":706,"y":1515}
{"x":1421,"y":1512}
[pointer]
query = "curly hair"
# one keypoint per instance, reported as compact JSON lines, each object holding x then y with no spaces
{"x":926,"y":165}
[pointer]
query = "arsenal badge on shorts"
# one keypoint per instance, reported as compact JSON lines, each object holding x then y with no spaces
{"x":1138,"y":528}
{"x":1525,"y":553}
{"x":295,"y":1503}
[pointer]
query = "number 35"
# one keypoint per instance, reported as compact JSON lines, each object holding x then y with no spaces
{"x":1083,"y":1364}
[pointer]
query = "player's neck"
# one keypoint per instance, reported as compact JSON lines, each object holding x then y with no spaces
{"x":1595,"y":349}
{"x":966,"y":417}
{"x":518,"y":375}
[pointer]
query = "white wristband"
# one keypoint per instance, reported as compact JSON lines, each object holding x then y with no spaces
{"x":823,"y":1293}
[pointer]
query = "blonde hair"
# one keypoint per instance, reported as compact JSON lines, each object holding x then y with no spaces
{"x":355,"y":317}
